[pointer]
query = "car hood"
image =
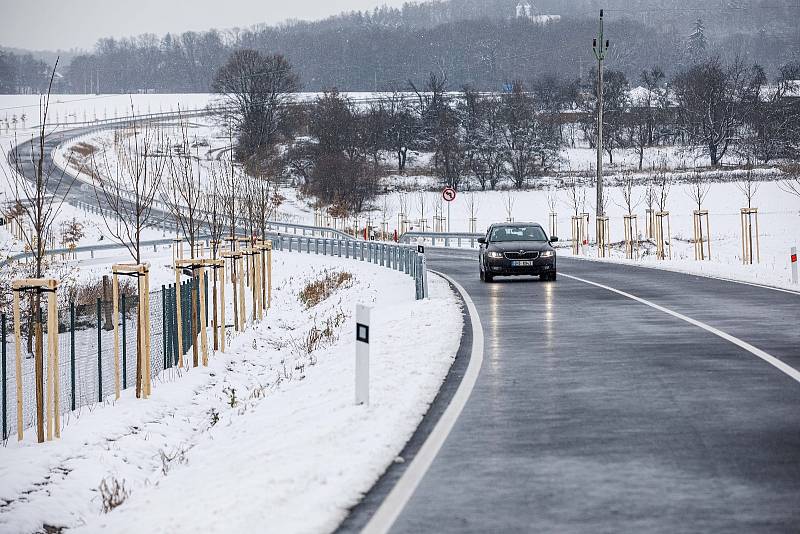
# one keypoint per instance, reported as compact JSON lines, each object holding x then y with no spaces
{"x":516,"y":246}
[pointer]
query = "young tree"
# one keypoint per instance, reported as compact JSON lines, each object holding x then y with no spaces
{"x":128,"y":183}
{"x":183,"y":193}
{"x":40,"y":200}
{"x":698,"y":190}
{"x":749,"y":186}
{"x":629,"y":200}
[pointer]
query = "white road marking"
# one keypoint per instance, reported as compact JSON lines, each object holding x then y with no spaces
{"x":393,"y":504}
{"x":772,"y":360}
{"x":687,"y":273}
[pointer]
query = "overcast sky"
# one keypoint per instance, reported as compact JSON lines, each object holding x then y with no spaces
{"x":66,"y":24}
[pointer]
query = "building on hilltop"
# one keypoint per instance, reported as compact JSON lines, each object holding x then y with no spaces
{"x":526,"y":10}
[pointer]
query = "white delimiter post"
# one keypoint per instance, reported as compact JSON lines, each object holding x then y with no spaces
{"x":794,"y":265}
{"x":362,"y":354}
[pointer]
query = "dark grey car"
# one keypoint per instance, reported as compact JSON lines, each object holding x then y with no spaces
{"x":515,"y":249}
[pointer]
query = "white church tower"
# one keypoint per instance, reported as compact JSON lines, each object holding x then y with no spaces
{"x":524,"y":10}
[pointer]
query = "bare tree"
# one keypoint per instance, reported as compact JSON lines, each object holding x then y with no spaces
{"x":128,"y":184}
{"x":255,"y":90}
{"x":662,"y":187}
{"x":183,"y":192}
{"x":791,"y":184}
{"x":472,"y":205}
{"x":749,"y":186}
{"x":39,"y":202}
{"x":713,"y":102}
{"x":697,"y":190}
{"x":508,"y":204}
{"x":576,"y":195}
{"x":629,"y":200}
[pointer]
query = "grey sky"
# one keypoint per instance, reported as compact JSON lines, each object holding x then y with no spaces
{"x":66,"y":24}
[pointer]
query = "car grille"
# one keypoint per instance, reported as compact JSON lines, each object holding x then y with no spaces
{"x":521,"y":255}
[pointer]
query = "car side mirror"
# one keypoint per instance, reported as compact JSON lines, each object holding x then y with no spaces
{"x":482,"y":240}
{"x":553,"y":239}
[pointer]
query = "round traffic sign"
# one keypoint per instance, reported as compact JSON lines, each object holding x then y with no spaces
{"x":449,"y":194}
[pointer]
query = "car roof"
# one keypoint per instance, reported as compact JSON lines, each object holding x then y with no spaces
{"x":496,"y":225}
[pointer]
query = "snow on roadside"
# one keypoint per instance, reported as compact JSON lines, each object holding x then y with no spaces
{"x":289,"y":453}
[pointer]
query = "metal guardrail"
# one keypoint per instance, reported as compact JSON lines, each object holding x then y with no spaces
{"x":131,"y":118}
{"x":402,"y":258}
{"x":443,"y":238}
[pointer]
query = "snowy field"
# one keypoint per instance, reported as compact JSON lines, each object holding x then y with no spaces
{"x":268,"y":414}
{"x":779,"y":211}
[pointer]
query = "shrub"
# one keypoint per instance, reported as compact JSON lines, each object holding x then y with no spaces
{"x":318,"y":290}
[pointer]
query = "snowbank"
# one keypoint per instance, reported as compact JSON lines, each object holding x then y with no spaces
{"x":267,"y":437}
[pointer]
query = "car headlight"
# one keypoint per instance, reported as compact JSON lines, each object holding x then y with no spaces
{"x":548,"y":253}
{"x":495,"y":254}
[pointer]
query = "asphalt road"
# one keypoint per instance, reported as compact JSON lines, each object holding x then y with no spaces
{"x":58,"y":184}
{"x":597,"y":413}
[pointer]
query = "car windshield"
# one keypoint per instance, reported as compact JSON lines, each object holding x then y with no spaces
{"x":518,"y":233}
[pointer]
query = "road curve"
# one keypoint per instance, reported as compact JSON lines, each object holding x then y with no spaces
{"x":594,"y":412}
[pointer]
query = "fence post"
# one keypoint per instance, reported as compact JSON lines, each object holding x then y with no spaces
{"x":5,"y":422}
{"x":72,"y":352}
{"x":174,"y":320}
{"x":124,"y":346}
{"x":99,"y":350}
{"x":164,"y":322}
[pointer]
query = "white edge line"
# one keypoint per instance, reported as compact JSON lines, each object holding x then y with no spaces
{"x":677,"y":270}
{"x":394,"y":503}
{"x":772,"y":360}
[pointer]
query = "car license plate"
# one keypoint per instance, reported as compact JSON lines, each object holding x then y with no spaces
{"x":522,"y":263}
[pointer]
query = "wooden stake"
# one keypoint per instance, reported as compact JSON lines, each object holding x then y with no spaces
{"x":53,"y":325}
{"x":222,"y":297}
{"x":18,"y":347}
{"x":146,"y":328}
{"x":201,"y":322}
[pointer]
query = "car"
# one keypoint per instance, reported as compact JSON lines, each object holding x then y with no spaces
{"x":517,"y":249}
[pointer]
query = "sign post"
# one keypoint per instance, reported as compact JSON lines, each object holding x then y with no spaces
{"x":794,"y":265}
{"x":362,"y":354}
{"x":449,"y":195}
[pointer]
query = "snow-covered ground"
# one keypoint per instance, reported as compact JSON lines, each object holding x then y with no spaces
{"x":779,"y":211}
{"x":267,"y":414}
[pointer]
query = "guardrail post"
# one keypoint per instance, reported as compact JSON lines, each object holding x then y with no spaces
{"x":418,"y":284}
{"x":339,"y":248}
{"x":316,"y":245}
{"x":794,"y":265}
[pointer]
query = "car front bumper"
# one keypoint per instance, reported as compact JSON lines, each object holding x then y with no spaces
{"x":504,"y":267}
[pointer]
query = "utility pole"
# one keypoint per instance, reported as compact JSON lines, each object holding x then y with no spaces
{"x":600,"y":47}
